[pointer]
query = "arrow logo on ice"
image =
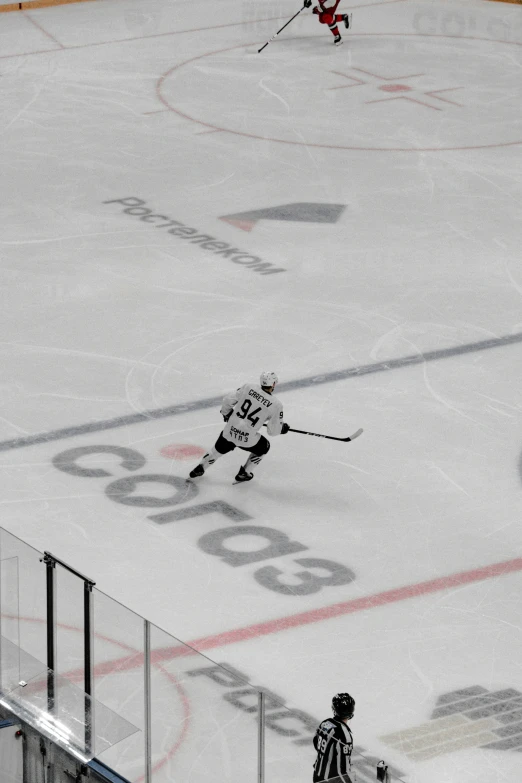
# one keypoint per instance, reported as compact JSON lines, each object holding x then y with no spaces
{"x":302,"y":212}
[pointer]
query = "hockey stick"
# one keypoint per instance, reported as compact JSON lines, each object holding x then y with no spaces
{"x":330,"y":437}
{"x":283,"y":27}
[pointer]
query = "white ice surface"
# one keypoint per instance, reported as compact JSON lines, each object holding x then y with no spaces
{"x":104,"y":315}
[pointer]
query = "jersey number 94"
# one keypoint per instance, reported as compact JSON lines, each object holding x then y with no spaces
{"x":245,"y":409}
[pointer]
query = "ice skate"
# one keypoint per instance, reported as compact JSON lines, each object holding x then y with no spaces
{"x":243,"y":475}
{"x":347,"y":21}
{"x":338,"y":40}
{"x":197,"y":472}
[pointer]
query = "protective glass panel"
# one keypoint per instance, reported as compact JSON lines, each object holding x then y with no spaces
{"x":289,"y":753}
{"x":30,"y":594}
{"x":17,"y":666}
{"x":9,"y":600}
{"x":57,"y":708}
{"x":119,"y":678}
{"x":203,"y":717}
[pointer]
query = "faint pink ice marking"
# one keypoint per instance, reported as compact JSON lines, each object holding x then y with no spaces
{"x":396,"y":87}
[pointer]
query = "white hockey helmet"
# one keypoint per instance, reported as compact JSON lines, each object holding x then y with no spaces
{"x":268,"y":379}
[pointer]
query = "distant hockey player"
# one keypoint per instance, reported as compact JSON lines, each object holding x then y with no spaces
{"x":329,"y":17}
{"x":245,"y":411}
{"x":333,"y":742}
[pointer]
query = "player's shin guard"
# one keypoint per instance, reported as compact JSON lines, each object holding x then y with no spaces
{"x":336,"y":34}
{"x":210,"y":458}
{"x":251,"y":462}
{"x":207,"y":460}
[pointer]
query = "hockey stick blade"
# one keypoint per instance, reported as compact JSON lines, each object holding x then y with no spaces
{"x":329,"y":437}
{"x":355,"y":435}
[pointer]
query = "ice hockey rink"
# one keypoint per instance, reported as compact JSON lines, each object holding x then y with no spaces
{"x":180,"y":213}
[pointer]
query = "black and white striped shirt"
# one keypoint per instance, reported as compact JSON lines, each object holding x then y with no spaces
{"x":333,"y":742}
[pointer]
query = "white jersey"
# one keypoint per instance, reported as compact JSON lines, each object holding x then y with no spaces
{"x":251,"y":408}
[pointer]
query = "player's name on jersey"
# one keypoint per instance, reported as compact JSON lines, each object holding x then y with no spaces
{"x":135,"y":207}
{"x":263,"y":400}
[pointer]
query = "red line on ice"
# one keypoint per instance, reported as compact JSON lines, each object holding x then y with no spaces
{"x":158,"y":656}
{"x":46,"y":32}
{"x":355,"y":605}
{"x":324,"y":613}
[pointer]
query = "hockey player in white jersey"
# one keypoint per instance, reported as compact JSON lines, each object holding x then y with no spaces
{"x":245,"y":411}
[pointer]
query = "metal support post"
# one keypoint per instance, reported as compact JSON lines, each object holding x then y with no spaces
{"x":261,"y":737}
{"x":148,"y":701}
{"x":88,"y":642}
{"x":88,"y":646}
{"x":50,"y":565}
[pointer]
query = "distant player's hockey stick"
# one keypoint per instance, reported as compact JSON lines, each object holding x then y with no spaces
{"x":330,"y":437}
{"x":283,"y":27}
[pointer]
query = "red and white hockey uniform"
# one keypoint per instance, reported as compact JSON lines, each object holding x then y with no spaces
{"x":327,"y":15}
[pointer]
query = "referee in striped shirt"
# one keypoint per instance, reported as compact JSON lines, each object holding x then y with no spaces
{"x":333,"y":742}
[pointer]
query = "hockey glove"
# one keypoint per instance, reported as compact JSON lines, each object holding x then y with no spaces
{"x":284,"y":428}
{"x":307,"y":3}
{"x":227,"y":416}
